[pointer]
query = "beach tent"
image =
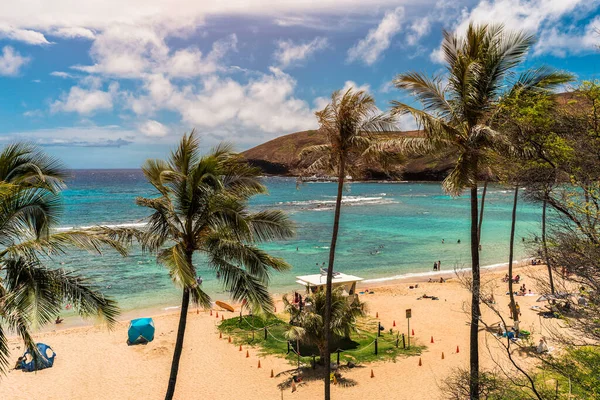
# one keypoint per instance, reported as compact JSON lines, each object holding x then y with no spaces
{"x":46,"y":359}
{"x":141,"y":330}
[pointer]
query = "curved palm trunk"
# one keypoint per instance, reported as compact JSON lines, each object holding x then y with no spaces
{"x":545,"y":245}
{"x":513,"y":306}
{"x":481,"y":212}
{"x":474,"y":333}
{"x":178,"y":344}
{"x":336,"y":225}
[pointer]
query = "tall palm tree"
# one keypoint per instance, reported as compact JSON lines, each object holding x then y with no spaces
{"x":201,"y":207}
{"x":31,"y":293}
{"x":456,"y":120}
{"x":350,"y":124}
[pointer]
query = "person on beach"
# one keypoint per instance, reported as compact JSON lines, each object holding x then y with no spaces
{"x":59,"y":320}
{"x":542,"y":347}
{"x":458,"y":241}
{"x":443,"y":241}
{"x":435,"y":266}
{"x":439,"y":265}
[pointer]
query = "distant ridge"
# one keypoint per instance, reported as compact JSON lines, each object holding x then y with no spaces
{"x":280,"y":157}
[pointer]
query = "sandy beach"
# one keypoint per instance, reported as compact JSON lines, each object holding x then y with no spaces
{"x":94,"y":363}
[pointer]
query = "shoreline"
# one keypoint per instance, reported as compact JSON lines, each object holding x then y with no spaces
{"x":76,"y":322}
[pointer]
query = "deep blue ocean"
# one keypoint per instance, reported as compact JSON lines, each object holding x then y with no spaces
{"x":387,"y":230}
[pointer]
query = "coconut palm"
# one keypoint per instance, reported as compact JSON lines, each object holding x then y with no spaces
{"x":31,"y":292}
{"x":456,"y":120}
{"x":350,"y":124}
{"x":201,"y":207}
{"x":307,"y":325}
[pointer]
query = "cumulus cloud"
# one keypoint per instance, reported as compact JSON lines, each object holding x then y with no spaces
{"x":86,"y":101}
{"x":72,"y":32}
{"x":22,"y":35}
{"x":11,"y":61}
{"x":534,"y":16}
{"x":378,"y":39}
{"x":153,"y":128}
{"x":264,"y":103}
{"x":289,"y":53}
{"x":561,"y":42}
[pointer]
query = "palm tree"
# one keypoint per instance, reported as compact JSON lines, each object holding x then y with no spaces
{"x":456,"y":120}
{"x":350,"y":124}
{"x":307,"y":325}
{"x":202,"y":207}
{"x":31,"y":293}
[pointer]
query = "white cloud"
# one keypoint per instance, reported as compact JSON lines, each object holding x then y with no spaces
{"x":153,"y":128}
{"x":61,"y":74}
{"x":289,"y":53}
{"x":534,"y":16}
{"x":86,"y":101}
{"x":11,"y":61}
{"x":419,"y":28}
{"x":560,"y":43}
{"x":265,"y":103}
{"x":33,"y":113}
{"x":378,"y":39}
{"x":23,"y":35}
{"x":72,"y":32}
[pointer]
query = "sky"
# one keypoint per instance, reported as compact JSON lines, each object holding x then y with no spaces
{"x":110,"y":83}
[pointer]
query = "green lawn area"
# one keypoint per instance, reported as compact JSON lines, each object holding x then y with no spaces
{"x":360,"y":349}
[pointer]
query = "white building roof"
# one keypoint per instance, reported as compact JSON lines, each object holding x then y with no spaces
{"x":321,"y":280}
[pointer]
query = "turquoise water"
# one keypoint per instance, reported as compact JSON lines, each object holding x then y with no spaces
{"x":387,"y":230}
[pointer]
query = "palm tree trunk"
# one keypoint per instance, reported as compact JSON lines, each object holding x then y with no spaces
{"x":513,"y":307}
{"x":179,"y":342}
{"x":545,"y":245}
{"x":336,"y":225}
{"x":481,"y":212}
{"x":474,"y":333}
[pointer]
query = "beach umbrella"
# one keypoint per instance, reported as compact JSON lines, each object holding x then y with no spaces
{"x":141,"y":330}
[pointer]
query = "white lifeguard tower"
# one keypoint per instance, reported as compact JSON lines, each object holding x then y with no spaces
{"x":316,"y":282}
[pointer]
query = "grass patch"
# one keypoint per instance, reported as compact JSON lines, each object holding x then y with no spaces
{"x":360,"y":349}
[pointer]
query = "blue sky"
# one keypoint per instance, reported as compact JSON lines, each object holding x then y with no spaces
{"x":107,"y":83}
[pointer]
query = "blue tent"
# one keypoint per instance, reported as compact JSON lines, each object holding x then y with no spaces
{"x":45,"y":360}
{"x":141,"y":330}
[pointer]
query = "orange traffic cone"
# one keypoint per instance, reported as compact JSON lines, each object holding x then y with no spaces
{"x":442,"y":355}
{"x":222,"y":318}
{"x":220,"y":335}
{"x":413,"y":332}
{"x":394,"y":324}
{"x":258,"y":363}
{"x":293,"y":386}
{"x":217,"y":314}
{"x":229,"y":339}
{"x":240,"y":347}
{"x":247,"y":354}
{"x":197,"y":311}
{"x":457,"y":351}
{"x":377,"y":315}
{"x":420,"y":362}
{"x":211,"y":313}
{"x":372,"y":374}
{"x":275,"y":308}
{"x":432,"y":339}
{"x":272,"y":374}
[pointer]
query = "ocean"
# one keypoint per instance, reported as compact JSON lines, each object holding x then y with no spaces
{"x":387,"y":231}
